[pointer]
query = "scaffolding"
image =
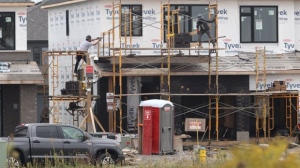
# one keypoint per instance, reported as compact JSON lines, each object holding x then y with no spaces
{"x":84,"y":97}
{"x":167,"y":32}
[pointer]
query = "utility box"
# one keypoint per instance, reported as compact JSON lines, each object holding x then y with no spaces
{"x":3,"y":151}
{"x":156,"y":127}
{"x":125,"y":142}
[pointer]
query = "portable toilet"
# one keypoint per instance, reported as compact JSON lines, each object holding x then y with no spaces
{"x":156,"y":127}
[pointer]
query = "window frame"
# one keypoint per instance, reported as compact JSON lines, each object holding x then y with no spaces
{"x":133,"y":13}
{"x":67,"y":23}
{"x":251,"y":14}
{"x":67,"y":127}
{"x":42,"y":126}
{"x":13,"y":17}
{"x":190,"y":21}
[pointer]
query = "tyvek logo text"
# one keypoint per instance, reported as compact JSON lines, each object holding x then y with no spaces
{"x":230,"y":46}
{"x":288,"y":45}
{"x":149,"y":12}
{"x":223,"y":14}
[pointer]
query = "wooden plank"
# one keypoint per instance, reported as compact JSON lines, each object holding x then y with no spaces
{"x":14,"y":4}
{"x":193,"y":32}
{"x":212,"y":143}
{"x":98,"y":122}
{"x":175,"y":59}
{"x":205,"y":73}
{"x":144,"y":71}
{"x":172,"y":49}
{"x":92,"y":119}
{"x":194,"y":44}
{"x":38,"y":82}
{"x":110,"y":114}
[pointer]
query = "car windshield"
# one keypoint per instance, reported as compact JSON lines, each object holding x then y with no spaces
{"x":21,"y":131}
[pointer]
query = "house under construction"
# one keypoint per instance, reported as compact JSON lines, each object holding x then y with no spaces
{"x":248,"y":91}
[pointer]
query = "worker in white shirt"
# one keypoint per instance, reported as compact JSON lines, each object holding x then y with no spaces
{"x":84,"y":46}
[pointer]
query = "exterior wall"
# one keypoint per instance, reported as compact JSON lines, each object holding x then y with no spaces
{"x":96,"y":17}
{"x":37,"y":44}
{"x":10,"y":108}
{"x":21,"y":25}
{"x":28,"y":103}
{"x":18,"y":106}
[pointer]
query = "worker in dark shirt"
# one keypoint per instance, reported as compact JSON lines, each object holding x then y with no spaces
{"x":203,"y":27}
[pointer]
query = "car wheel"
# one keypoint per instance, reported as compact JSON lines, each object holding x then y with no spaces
{"x":13,"y":162}
{"x":106,"y":159}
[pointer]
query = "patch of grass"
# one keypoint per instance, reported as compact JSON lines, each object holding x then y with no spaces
{"x":276,"y":155}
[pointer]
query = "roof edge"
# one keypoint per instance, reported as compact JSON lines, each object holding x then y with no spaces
{"x":61,"y":4}
{"x":17,"y":4}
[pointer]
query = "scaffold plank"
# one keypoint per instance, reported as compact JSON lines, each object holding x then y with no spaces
{"x":158,"y":59}
{"x":171,"y":49}
{"x":144,"y":71}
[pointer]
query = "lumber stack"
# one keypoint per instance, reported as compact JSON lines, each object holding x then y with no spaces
{"x":130,"y":156}
{"x":278,"y":86}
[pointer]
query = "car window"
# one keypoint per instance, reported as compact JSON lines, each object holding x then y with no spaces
{"x":21,"y":132}
{"x":72,"y":133}
{"x":46,"y":132}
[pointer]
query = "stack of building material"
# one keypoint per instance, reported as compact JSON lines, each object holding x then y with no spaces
{"x":130,"y":156}
{"x":75,"y":88}
{"x":278,"y":86}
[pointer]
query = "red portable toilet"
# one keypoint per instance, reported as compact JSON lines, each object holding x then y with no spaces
{"x":156,"y":127}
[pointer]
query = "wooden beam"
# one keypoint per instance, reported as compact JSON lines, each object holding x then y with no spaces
{"x":166,"y":49}
{"x":22,"y":82}
{"x":16,"y":4}
{"x":98,"y":122}
{"x":193,"y":32}
{"x":110,"y":114}
{"x":92,"y":119}
{"x":158,"y":59}
{"x":213,"y":143}
{"x":144,"y":71}
{"x":204,"y":73}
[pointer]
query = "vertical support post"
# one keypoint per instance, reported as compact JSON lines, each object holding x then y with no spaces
{"x":209,"y":71}
{"x":169,"y":46}
{"x":120,"y":65}
{"x":264,"y":69}
{"x":217,"y":117}
{"x":298,"y":110}
{"x":110,"y":113}
{"x":209,"y":117}
{"x":130,"y":29}
{"x":264,"y":118}
{"x":256,"y":68}
{"x":125,"y":27}
{"x":162,"y":37}
{"x":271,"y":116}
{"x":114,"y":66}
{"x":289,"y":113}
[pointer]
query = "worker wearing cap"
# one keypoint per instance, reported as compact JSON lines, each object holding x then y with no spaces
{"x":203,"y":28}
{"x":84,"y":46}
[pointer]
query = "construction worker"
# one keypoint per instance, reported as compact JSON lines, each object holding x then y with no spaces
{"x":202,"y":28}
{"x":84,"y":46}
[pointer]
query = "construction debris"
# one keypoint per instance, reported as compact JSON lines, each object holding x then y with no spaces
{"x":130,"y":156}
